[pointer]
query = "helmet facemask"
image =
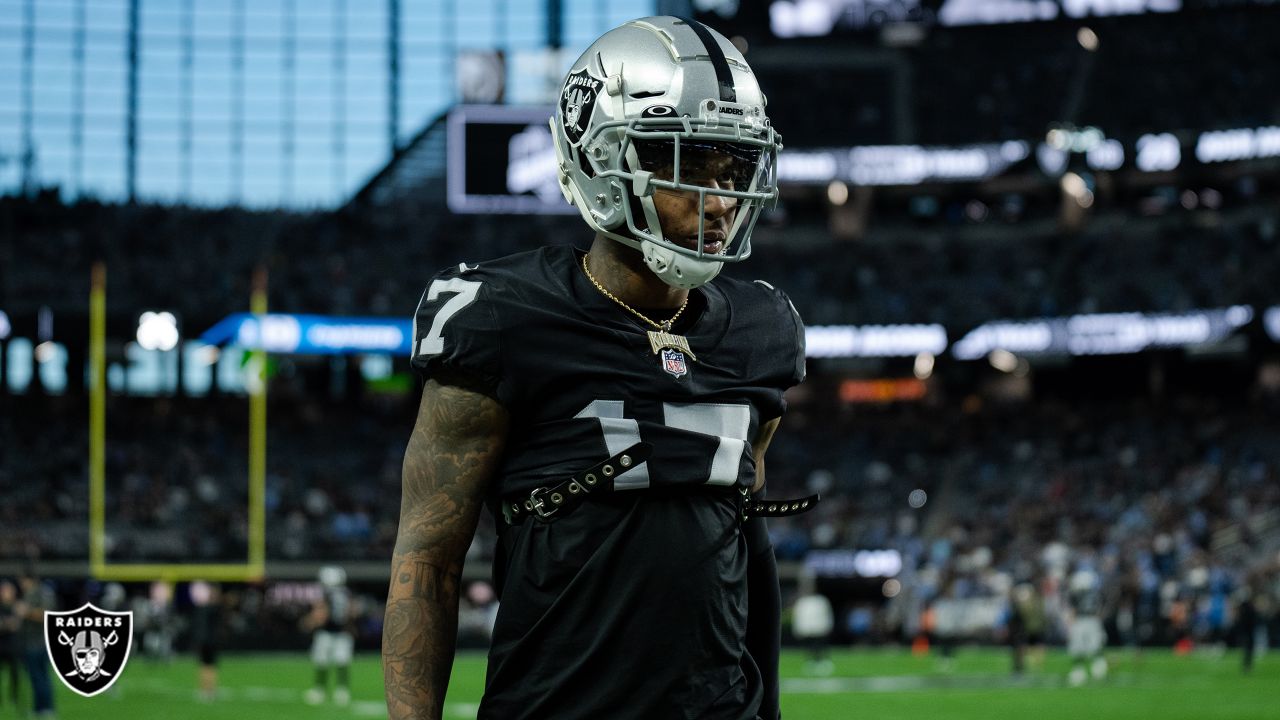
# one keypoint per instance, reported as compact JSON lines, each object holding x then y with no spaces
{"x":655,"y":158}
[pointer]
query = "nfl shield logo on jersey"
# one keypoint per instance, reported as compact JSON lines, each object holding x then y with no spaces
{"x":673,"y":362}
{"x":88,"y":647}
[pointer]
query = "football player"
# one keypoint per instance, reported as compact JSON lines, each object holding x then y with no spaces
{"x":1086,"y":637}
{"x":612,"y":409}
{"x":332,"y":641}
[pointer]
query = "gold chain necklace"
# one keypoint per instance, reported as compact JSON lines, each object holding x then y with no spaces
{"x":664,"y":326}
{"x":663,"y":340}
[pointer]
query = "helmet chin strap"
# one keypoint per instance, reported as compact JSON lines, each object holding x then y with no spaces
{"x":676,"y":270}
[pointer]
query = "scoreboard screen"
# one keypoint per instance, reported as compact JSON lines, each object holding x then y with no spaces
{"x":501,"y":160}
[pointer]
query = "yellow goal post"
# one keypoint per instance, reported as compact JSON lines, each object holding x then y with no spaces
{"x":255,"y":564}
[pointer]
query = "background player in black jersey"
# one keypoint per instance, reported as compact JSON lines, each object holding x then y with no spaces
{"x":623,"y":374}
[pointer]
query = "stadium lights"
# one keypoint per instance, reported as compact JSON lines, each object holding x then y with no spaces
{"x":891,"y":588}
{"x":46,"y":351}
{"x":1271,"y":321}
{"x":1077,"y":189}
{"x":208,"y":355}
{"x":837,"y":193}
{"x":1158,"y":152}
{"x":1238,"y":144}
{"x":923,"y":368}
{"x":1087,"y":38}
{"x":1050,"y":159}
{"x":1073,"y":139}
{"x":917,"y":498}
{"x":1003,"y":360}
{"x":853,"y":563}
{"x":1106,"y":155}
{"x":157,"y":331}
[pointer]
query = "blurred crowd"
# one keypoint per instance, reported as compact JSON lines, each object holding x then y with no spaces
{"x":1174,"y":506}
{"x":177,"y":481}
{"x":1012,"y":81}
{"x":157,"y":258}
{"x":927,"y":277}
{"x":1174,"y":503}
{"x":1138,"y":79}
{"x":1173,"y":500}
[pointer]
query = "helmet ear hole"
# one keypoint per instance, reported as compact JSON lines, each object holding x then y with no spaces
{"x":585,"y":164}
{"x":637,"y":212}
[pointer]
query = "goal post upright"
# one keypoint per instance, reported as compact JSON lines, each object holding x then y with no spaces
{"x":255,"y":566}
{"x":258,"y":430}
{"x":97,"y":417}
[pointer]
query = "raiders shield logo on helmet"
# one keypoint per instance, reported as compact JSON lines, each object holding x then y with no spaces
{"x":577,"y":102}
{"x":88,"y":647}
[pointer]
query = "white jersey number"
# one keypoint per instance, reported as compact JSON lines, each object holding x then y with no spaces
{"x":730,"y":423}
{"x":433,"y":343}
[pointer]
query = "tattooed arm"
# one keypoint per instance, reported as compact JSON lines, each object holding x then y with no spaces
{"x":759,"y":448}
{"x":451,"y":458}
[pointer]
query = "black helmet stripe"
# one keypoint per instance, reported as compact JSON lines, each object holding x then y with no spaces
{"x":724,"y":76}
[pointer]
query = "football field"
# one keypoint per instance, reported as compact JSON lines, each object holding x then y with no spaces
{"x":879,"y":684}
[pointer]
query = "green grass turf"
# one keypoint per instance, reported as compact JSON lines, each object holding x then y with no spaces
{"x":880,"y":684}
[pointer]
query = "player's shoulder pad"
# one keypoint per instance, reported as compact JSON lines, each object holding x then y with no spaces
{"x":774,"y":301}
{"x":771,"y":320}
{"x":788,"y":317}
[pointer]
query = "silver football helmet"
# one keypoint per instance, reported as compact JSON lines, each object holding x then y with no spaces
{"x":664,"y":103}
{"x":332,"y":576}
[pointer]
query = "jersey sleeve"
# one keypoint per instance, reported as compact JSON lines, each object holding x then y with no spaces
{"x":788,"y":337}
{"x":797,"y":345}
{"x":781,"y":336}
{"x":456,"y":332}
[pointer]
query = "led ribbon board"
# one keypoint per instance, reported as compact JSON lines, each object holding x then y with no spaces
{"x":873,"y":341}
{"x":313,"y":334}
{"x":1103,"y":333}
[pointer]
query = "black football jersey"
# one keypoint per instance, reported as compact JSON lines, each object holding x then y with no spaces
{"x":632,"y":605}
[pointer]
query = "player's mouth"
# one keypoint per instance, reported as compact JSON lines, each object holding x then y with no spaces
{"x":712,"y":242}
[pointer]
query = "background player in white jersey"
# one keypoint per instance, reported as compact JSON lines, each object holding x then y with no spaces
{"x":812,"y":620}
{"x":1086,"y":636}
{"x":332,"y":642}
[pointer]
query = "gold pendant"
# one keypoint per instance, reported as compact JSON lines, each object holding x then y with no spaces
{"x":659,"y":340}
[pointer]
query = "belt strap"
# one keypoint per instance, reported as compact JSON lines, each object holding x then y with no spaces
{"x":545,"y":502}
{"x":776,"y":508}
{"x":548,"y":501}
